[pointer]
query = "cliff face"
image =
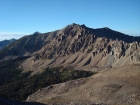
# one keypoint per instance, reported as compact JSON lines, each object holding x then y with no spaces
{"x":78,"y":46}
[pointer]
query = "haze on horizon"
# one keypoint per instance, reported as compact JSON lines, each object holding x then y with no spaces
{"x":24,"y":17}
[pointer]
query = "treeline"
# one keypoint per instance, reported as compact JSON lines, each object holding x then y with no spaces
{"x":18,"y":86}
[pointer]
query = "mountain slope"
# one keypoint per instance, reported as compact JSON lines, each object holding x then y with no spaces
{"x":75,"y":45}
{"x":4,"y":43}
{"x":114,"y":86}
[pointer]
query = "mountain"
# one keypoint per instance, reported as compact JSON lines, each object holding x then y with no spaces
{"x":4,"y":43}
{"x":75,"y":45}
{"x":110,"y":60}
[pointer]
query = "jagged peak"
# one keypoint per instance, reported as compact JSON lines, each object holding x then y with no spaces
{"x":72,"y":25}
{"x":77,"y":25}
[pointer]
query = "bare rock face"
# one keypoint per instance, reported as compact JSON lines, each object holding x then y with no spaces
{"x":76,"y":45}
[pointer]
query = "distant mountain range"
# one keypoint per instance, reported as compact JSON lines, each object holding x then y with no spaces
{"x":5,"y":43}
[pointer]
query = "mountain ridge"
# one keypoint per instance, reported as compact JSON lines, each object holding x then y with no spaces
{"x":75,"y":45}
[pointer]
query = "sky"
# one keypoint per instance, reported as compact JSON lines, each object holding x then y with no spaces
{"x":24,"y":17}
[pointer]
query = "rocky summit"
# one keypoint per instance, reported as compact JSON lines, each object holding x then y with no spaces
{"x":114,"y":56}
